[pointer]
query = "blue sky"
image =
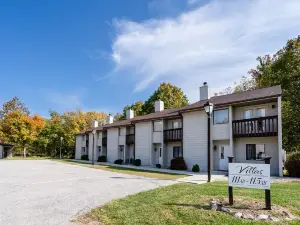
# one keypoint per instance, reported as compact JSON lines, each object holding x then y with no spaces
{"x":103,"y":54}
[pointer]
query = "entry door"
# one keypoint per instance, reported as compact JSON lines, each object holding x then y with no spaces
{"x":224,"y":152}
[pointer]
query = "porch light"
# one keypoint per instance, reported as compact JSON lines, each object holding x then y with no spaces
{"x":209,"y":107}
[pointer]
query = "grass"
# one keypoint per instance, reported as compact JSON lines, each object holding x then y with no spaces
{"x":28,"y":158}
{"x":137,"y":172}
{"x":182,"y":203}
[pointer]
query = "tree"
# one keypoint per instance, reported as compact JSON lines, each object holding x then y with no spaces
{"x":21,"y":129}
{"x":118,"y":117}
{"x":171,"y":95}
{"x":13,"y":105}
{"x":137,"y":107}
{"x":245,"y":84}
{"x":283,"y":68}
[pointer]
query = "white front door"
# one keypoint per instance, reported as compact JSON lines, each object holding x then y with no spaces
{"x":224,"y":152}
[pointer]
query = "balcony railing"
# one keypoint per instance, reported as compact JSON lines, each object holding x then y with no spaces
{"x":129,"y":139}
{"x":104,"y":141}
{"x":256,"y":127}
{"x":173,"y":135}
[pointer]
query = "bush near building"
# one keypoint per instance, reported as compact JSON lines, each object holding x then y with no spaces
{"x":178,"y":164}
{"x":85,"y":157}
{"x":292,"y":164}
{"x":119,"y":161}
{"x":102,"y":158}
{"x":196,"y":168}
{"x":137,"y":162}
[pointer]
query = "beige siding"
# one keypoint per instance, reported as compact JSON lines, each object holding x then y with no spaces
{"x":99,"y":139}
{"x":78,"y":146}
{"x":195,"y":139}
{"x":112,"y":144}
{"x":238,"y":112}
{"x":90,"y":151}
{"x":271,"y":148}
{"x":157,"y":137}
{"x":143,"y":142}
{"x":220,"y":132}
{"x":1,"y":151}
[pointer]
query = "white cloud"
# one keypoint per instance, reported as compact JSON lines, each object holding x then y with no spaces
{"x":64,"y":100}
{"x":217,"y":42}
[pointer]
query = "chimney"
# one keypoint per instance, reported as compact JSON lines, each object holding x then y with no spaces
{"x":109,"y":119}
{"x":95,"y":124}
{"x":204,"y":92}
{"x":129,"y":114}
{"x":159,"y":106}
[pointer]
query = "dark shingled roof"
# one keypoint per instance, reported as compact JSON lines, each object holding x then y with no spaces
{"x":223,"y":100}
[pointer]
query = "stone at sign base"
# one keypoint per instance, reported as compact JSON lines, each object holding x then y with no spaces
{"x":248,"y":217}
{"x":262,"y":217}
{"x":238,"y":215}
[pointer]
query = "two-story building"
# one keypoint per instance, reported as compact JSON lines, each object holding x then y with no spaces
{"x":246,"y":125}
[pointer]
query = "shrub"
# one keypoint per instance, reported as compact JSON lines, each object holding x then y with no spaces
{"x":119,"y":161}
{"x":292,"y":164}
{"x":196,"y":168}
{"x":102,"y":158}
{"x":84,"y":157}
{"x":178,"y":164}
{"x":137,"y":162}
{"x":158,"y":165}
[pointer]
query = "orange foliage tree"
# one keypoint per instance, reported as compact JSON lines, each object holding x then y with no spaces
{"x":21,"y":129}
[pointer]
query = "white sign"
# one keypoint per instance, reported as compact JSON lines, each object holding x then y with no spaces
{"x":249,"y":175}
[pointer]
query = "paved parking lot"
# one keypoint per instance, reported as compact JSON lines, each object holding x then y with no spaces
{"x":49,"y":192}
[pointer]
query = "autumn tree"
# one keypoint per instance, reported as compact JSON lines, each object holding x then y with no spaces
{"x":21,"y":129}
{"x":245,"y":84}
{"x":137,"y":107}
{"x":283,"y":68}
{"x":13,"y":105}
{"x":118,"y":116}
{"x":171,"y":95}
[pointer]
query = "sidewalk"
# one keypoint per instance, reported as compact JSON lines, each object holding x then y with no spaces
{"x":195,"y":178}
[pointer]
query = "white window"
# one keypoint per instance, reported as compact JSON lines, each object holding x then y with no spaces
{"x":157,"y":125}
{"x":261,"y":112}
{"x":177,"y":152}
{"x":177,"y":124}
{"x":249,"y":114}
{"x":99,"y":149}
{"x":221,"y":116}
{"x":255,"y":151}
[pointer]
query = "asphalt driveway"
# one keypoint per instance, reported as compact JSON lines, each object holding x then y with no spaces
{"x":49,"y":192}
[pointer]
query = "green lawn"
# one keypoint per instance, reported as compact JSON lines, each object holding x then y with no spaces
{"x":182,"y":203}
{"x":137,"y":172}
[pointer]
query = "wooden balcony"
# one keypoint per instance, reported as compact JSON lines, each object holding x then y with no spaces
{"x":104,"y":141}
{"x":256,"y":127}
{"x":129,"y":139}
{"x":173,"y":135}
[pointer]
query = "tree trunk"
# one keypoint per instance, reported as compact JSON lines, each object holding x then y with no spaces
{"x":24,"y":151}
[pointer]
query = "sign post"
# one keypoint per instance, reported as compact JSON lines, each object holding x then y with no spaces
{"x":246,"y":175}
{"x":267,"y":191}
{"x":230,"y":191}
